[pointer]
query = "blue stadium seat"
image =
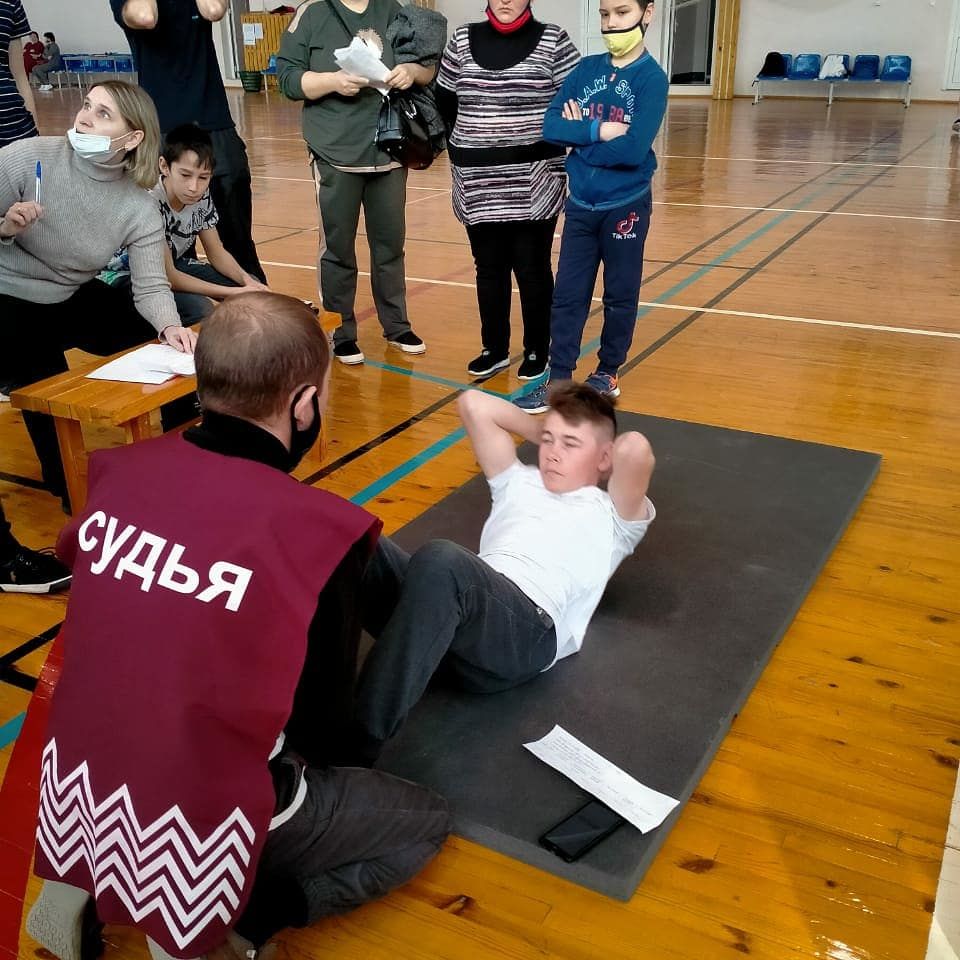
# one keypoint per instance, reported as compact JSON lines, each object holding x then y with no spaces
{"x":866,"y":67}
{"x":845,"y":58}
{"x":805,"y":67}
{"x":896,"y":68}
{"x":270,"y":71}
{"x":787,"y":63}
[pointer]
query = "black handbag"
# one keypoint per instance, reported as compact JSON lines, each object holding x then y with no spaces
{"x":402,"y":132}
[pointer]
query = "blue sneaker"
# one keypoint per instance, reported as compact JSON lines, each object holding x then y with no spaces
{"x":604,"y":384}
{"x":535,"y":401}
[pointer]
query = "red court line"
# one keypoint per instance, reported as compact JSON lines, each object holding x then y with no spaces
{"x":19,"y":799}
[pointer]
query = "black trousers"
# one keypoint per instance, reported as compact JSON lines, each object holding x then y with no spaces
{"x":232,"y":193}
{"x":359,"y":834}
{"x":97,"y":318}
{"x":442,"y":607}
{"x":8,"y":543}
{"x":521,"y":248}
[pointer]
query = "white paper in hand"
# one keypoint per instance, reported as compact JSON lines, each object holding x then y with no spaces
{"x":154,"y":363}
{"x":362,"y":59}
{"x":643,"y":807}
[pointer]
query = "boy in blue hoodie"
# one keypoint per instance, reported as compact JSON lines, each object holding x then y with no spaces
{"x":608,"y":111}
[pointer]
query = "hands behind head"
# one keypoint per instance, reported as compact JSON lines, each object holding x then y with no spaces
{"x":19,"y":217}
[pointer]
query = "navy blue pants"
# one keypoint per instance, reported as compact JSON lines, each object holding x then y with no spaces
{"x":614,"y":238}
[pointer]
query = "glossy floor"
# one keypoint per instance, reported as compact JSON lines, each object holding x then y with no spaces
{"x":801,"y":281}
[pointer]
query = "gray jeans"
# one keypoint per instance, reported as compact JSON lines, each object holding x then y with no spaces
{"x":194,"y":307}
{"x":340,"y":196}
{"x":359,"y":834}
{"x":442,"y":607}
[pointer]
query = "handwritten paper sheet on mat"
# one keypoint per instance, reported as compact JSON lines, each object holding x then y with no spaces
{"x":154,"y":363}
{"x":643,"y":807}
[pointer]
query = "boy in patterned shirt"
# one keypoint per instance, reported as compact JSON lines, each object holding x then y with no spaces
{"x":183,"y":195}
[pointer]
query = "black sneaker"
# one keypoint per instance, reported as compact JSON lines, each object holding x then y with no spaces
{"x":347,"y":351}
{"x":33,"y":571}
{"x":409,"y":342}
{"x":486,"y":362}
{"x":534,"y":366}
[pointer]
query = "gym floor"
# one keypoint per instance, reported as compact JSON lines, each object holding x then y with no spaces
{"x":797,"y":283}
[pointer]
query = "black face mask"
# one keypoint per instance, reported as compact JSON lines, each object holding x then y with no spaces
{"x":302,"y":440}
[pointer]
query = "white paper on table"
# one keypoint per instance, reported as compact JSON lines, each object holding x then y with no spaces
{"x":362,"y":59}
{"x":154,"y":363}
{"x":643,"y":807}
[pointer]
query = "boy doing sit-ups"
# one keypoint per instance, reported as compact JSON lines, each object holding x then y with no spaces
{"x":553,"y":539}
{"x":183,"y":195}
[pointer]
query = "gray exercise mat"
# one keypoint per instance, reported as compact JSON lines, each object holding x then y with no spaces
{"x":745,"y":523}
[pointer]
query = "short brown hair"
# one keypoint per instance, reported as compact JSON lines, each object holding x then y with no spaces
{"x":137,"y":109}
{"x":254,"y":350}
{"x":576,"y":403}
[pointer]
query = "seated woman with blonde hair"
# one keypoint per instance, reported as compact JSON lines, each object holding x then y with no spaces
{"x":93,"y":200}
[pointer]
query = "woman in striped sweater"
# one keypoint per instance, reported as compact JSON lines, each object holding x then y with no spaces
{"x":496,"y":79}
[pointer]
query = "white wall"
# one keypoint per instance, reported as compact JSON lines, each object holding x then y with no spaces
{"x":919,"y":28}
{"x":567,"y":13}
{"x":81,"y":26}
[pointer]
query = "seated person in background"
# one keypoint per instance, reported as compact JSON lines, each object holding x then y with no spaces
{"x":236,"y":597}
{"x":552,"y":541}
{"x":52,"y":62}
{"x":32,"y":52}
{"x":183,"y":194}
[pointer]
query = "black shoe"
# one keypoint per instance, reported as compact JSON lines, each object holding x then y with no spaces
{"x":409,"y":342}
{"x":486,"y":363}
{"x":33,"y":571}
{"x":347,"y":351}
{"x":534,"y":366}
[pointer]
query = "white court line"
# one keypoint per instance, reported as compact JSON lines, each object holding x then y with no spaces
{"x":877,"y":327}
{"x":830,"y":213}
{"x":433,"y":196}
{"x":713,"y":206}
{"x":826,"y":163}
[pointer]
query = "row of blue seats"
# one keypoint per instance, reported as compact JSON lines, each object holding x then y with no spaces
{"x":866,"y":68}
{"x":85,"y":63}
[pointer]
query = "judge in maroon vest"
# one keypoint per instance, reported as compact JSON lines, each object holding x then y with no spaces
{"x":170,"y":797}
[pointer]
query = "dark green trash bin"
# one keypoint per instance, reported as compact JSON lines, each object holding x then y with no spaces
{"x":252,"y":80}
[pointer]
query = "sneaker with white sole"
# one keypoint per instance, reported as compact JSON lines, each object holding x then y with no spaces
{"x":45,"y":87}
{"x":347,"y":351}
{"x":604,"y":384}
{"x":534,"y":366}
{"x":33,"y":571}
{"x":487,"y":362}
{"x":408,"y":342}
{"x":536,"y":401}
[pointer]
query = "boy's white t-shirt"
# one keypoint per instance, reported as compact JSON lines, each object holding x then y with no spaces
{"x":560,"y":549}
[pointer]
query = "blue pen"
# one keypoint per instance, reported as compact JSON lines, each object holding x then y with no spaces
{"x":39,"y":178}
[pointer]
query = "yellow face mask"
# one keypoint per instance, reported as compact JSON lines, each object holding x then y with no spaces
{"x":621,"y":42}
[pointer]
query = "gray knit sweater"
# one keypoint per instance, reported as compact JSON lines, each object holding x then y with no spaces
{"x":90,"y":211}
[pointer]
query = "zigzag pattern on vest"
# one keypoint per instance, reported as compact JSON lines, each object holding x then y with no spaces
{"x":163,"y":866}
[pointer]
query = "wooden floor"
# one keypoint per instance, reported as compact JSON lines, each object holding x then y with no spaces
{"x":802,"y":280}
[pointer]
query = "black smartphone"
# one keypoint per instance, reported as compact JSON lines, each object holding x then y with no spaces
{"x":571,"y":838}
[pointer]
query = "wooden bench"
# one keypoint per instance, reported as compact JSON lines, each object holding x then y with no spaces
{"x":73,"y":400}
